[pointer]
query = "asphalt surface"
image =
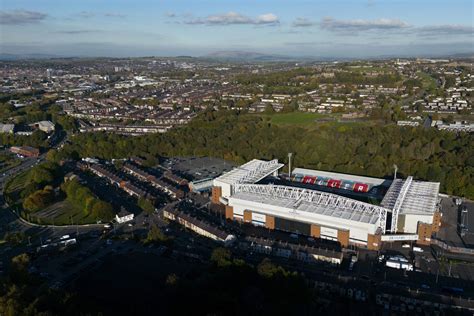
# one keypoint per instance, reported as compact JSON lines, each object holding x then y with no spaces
{"x":449,"y":223}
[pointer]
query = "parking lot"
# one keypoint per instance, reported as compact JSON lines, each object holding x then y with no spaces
{"x":197,"y":168}
{"x":467,"y":219}
{"x":449,"y":232}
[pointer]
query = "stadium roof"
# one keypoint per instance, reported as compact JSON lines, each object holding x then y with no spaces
{"x":420,"y":197}
{"x":312,"y":201}
{"x":250,"y":172}
{"x":339,"y":176}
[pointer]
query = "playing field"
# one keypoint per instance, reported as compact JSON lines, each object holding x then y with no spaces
{"x":297,"y":118}
{"x":62,"y":213}
{"x":15,"y":186}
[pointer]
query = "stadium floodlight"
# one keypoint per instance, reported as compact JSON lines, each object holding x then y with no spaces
{"x":396,"y":169}
{"x":289,"y":165}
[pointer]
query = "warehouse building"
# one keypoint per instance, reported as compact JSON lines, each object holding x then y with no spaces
{"x":25,"y":151}
{"x":45,"y":126}
{"x":409,"y":207}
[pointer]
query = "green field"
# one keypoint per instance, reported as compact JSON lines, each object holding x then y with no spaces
{"x":296,"y":118}
{"x":62,"y":213}
{"x":369,"y":69}
{"x":309,"y":120}
{"x":8,"y":161}
{"x":429,"y":83}
{"x":59,"y":213}
{"x":14,"y":187}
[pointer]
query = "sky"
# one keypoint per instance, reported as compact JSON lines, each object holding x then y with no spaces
{"x":310,"y":28}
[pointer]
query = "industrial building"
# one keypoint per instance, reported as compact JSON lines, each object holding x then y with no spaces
{"x":25,"y":151}
{"x":329,"y":205}
{"x":45,"y":126}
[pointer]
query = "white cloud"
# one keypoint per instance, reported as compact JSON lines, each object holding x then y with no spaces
{"x":303,"y":22}
{"x":355,"y":26}
{"x":235,"y":18}
{"x":114,"y":15}
{"x":16,"y":17}
{"x":268,"y":18}
{"x":445,"y":30}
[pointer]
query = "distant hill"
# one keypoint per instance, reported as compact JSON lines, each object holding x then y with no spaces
{"x":246,"y":56}
{"x":26,"y":56}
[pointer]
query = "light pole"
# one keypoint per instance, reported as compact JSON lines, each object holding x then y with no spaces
{"x":289,"y":165}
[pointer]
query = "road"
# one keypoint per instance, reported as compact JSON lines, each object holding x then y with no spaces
{"x":36,"y":234}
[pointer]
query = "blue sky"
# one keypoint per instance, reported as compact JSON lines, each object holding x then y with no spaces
{"x":339,"y":28}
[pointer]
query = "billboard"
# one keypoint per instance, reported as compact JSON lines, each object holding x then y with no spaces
{"x":329,"y":232}
{"x":334,"y":183}
{"x":361,"y":187}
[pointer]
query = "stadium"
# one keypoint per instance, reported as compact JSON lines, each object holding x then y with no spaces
{"x":352,"y":210}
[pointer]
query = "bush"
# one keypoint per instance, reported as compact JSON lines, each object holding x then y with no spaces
{"x":39,"y":199}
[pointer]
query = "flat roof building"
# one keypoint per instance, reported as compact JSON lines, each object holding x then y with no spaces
{"x":7,"y":128}
{"x":407,"y":207}
{"x":45,"y":126}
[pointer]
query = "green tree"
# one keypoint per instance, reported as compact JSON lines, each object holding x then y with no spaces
{"x":155,"y":235}
{"x":39,"y":199}
{"x":146,"y":205}
{"x":221,"y":257}
{"x":19,"y":269}
{"x":103,"y":211}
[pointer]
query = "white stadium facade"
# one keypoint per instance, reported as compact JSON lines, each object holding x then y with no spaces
{"x":328,"y":205}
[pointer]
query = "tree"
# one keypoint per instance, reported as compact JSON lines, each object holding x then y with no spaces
{"x":368,"y":150}
{"x":19,"y":268}
{"x":221,"y":257}
{"x":172,"y":279}
{"x":102,"y":210}
{"x":267,"y":269}
{"x":269,"y":109}
{"x":39,"y":199}
{"x":155,"y":235}
{"x":41,"y":175}
{"x":146,"y":205}
{"x":449,"y":119}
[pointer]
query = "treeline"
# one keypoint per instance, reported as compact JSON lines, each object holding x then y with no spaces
{"x":357,"y":78}
{"x":91,"y":205}
{"x":289,"y":81}
{"x":43,"y":110}
{"x":39,"y":199}
{"x":39,"y":177}
{"x":426,"y":154}
{"x":36,"y":191}
{"x":38,"y":139}
{"x":226,"y":286}
{"x":24,"y":293}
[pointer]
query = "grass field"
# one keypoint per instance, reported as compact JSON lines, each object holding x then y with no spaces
{"x":15,"y":186}
{"x":309,"y":120}
{"x":368,"y":69}
{"x":59,"y":213}
{"x":62,"y":213}
{"x":8,"y":161}
{"x":427,"y":81}
{"x":296,"y":118}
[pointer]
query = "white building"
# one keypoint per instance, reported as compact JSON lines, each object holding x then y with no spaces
{"x":45,"y":126}
{"x":7,"y":128}
{"x":307,"y":211}
{"x":123,"y":217}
